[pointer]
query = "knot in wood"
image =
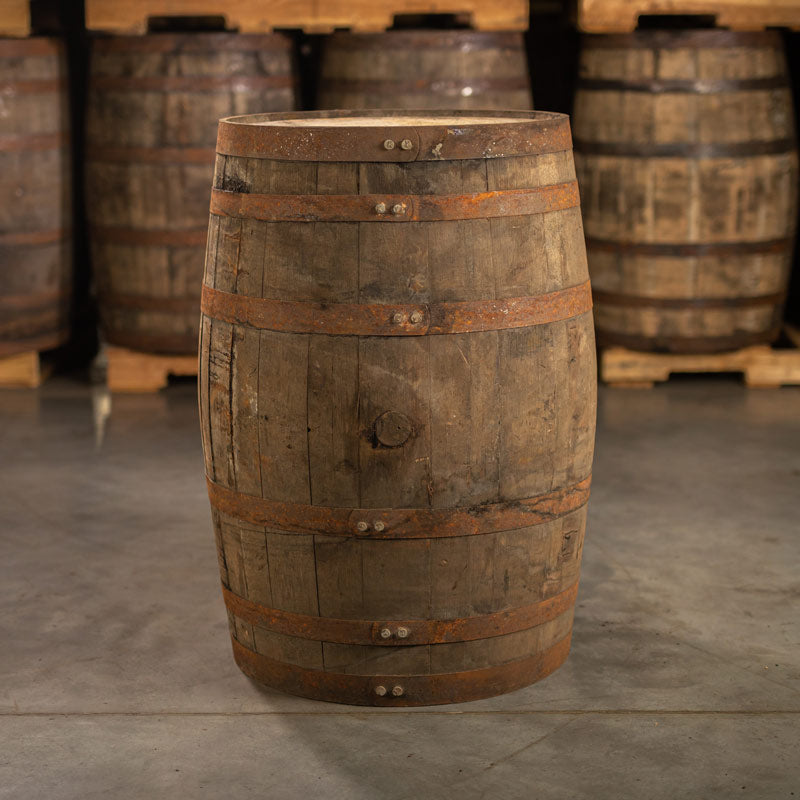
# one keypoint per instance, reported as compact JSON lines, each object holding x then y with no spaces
{"x":393,"y":429}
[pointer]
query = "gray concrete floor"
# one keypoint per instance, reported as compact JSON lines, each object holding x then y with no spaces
{"x":117,"y":681}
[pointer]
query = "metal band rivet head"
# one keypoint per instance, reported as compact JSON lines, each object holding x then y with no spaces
{"x":388,"y":144}
{"x":380,"y":208}
{"x":379,"y":526}
{"x":398,"y":319}
{"x":402,"y":633}
{"x":397,"y":691}
{"x":416,"y":317}
{"x":406,"y":144}
{"x":385,"y":633}
{"x":363,"y":526}
{"x":380,"y":691}
{"x":398,"y":209}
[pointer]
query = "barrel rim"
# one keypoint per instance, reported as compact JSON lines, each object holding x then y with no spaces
{"x":171,"y":41}
{"x":691,"y":38}
{"x":530,"y":133}
{"x":421,"y":38}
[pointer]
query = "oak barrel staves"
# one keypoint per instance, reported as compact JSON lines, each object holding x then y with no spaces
{"x":35,"y":196}
{"x":685,"y":151}
{"x":425,"y":69}
{"x":397,"y":392}
{"x":153,"y":107}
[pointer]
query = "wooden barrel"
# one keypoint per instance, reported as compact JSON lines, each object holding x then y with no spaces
{"x":397,"y":391}
{"x":36,"y":196}
{"x":154,"y":105}
{"x":425,"y":69}
{"x":687,"y":163}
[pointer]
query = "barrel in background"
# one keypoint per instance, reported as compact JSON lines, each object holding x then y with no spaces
{"x":397,"y":393}
{"x":425,"y":69}
{"x":35,"y":196}
{"x":152,"y":116}
{"x":687,"y":163}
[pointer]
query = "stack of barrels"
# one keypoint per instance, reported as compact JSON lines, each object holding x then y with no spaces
{"x":35,"y":196}
{"x":687,"y":161}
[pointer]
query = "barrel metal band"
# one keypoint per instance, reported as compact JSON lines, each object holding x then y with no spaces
{"x":681,"y":40}
{"x":472,"y":86}
{"x":462,"y":41}
{"x":418,"y":631}
{"x":34,"y":142}
{"x":153,"y":155}
{"x":687,"y":149}
{"x":192,"y":83}
{"x":399,"y":523}
{"x":394,"y":207}
{"x":406,"y":319}
{"x":691,"y":249}
{"x":417,"y":690}
{"x":33,"y":86}
{"x":667,"y":86}
{"x":689,"y":344}
{"x":686,"y":303}
{"x":34,"y":300}
{"x":46,"y":341}
{"x":254,"y":137}
{"x":210,"y":43}
{"x":149,"y":238}
{"x":146,"y":302}
{"x":32,"y":238}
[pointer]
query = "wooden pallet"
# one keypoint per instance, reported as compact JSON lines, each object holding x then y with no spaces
{"x":133,"y":371}
{"x":22,"y":370}
{"x":312,"y":16}
{"x":15,"y":18}
{"x":621,"y":16}
{"x":763,"y":366}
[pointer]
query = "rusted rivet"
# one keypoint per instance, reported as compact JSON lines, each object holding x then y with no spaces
{"x":380,"y":208}
{"x":380,"y":691}
{"x":379,"y":526}
{"x":402,"y":633}
{"x":398,"y":318}
{"x":416,"y":317}
{"x":397,"y":691}
{"x":406,"y":144}
{"x":388,"y":144}
{"x":385,"y":633}
{"x":399,"y":208}
{"x":363,"y":526}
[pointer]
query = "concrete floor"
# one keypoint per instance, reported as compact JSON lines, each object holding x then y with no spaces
{"x":117,"y":681}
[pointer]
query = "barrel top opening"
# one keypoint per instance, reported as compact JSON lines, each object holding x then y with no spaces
{"x":393,"y":135}
{"x":400,"y":119}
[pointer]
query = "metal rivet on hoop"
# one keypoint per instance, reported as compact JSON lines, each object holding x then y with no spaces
{"x":379,"y":526}
{"x":380,"y":208}
{"x":406,"y":144}
{"x":397,"y":691}
{"x":385,"y":633}
{"x":402,"y":633}
{"x":416,"y":317}
{"x":380,"y":691}
{"x":388,"y":144}
{"x":399,"y":208}
{"x":363,"y":526}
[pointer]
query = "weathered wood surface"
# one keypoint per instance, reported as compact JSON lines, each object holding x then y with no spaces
{"x":763,"y":367}
{"x":688,"y":170}
{"x":425,"y":69}
{"x":621,"y":16}
{"x":153,"y":107}
{"x":131,"y":371}
{"x":35,"y":196}
{"x":262,"y":16}
{"x":15,"y":18}
{"x":411,"y":422}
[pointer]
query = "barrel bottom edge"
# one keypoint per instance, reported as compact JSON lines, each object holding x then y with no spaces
{"x":417,"y":690}
{"x":37,"y":344}
{"x":157,"y":344}
{"x":689,"y":345}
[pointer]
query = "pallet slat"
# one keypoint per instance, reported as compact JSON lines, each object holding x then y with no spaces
{"x":15,"y":18}
{"x":762,"y":366}
{"x":263,"y":16}
{"x":21,"y":371}
{"x":621,"y":16}
{"x":131,"y":371}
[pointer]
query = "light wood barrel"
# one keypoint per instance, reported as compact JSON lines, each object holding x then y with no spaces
{"x":154,"y":105}
{"x":687,"y":163}
{"x":35,"y":196}
{"x":425,"y":69}
{"x":397,"y":392}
